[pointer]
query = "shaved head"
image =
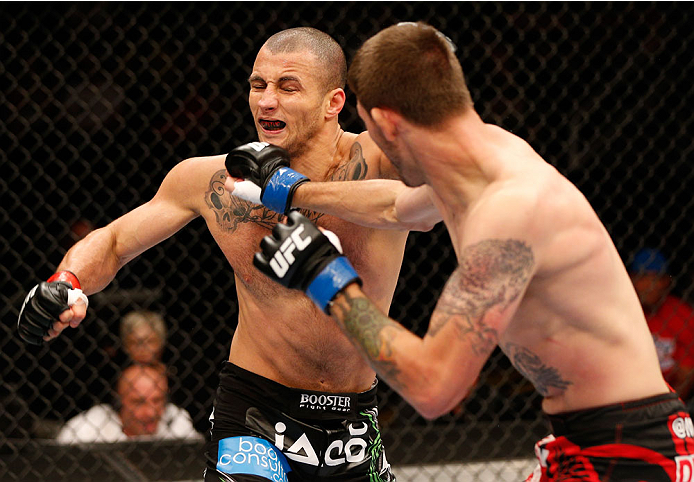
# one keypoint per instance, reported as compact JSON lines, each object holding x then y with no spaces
{"x":328,"y":52}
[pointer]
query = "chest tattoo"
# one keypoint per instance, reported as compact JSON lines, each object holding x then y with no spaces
{"x":231,"y":211}
{"x":354,"y":169}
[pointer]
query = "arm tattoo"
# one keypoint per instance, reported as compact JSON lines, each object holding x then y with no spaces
{"x":354,"y":169}
{"x":491,"y":275}
{"x":230,"y":211}
{"x":531,"y":367}
{"x":371,"y":330}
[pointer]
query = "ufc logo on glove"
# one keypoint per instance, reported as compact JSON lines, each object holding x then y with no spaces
{"x":299,"y":256}
{"x":283,"y":259}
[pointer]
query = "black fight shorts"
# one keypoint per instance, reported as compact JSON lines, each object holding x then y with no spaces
{"x":646,"y":440}
{"x":262,"y":430}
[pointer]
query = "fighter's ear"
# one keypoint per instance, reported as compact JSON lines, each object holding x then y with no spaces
{"x":335,"y":100}
{"x":386,"y":120}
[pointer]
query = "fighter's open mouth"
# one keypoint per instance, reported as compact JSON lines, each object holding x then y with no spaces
{"x":272,"y":125}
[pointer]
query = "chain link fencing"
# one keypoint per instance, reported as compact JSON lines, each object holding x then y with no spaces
{"x":98,"y":101}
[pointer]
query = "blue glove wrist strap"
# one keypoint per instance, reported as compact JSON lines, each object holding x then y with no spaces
{"x":279,"y":187}
{"x":335,"y":276}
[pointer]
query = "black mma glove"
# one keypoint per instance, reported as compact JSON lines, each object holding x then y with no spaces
{"x":268,"y":180}
{"x":44,"y":304}
{"x":299,"y":256}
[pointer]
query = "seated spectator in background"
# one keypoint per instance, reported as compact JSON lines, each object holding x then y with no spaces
{"x":143,"y":413}
{"x":143,"y":334}
{"x":670,"y":319}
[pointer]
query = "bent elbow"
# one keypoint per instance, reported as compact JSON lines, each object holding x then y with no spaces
{"x":433,"y":408}
{"x":422,"y":223}
{"x":431,"y":412}
{"x":423,"y":227}
{"x":435,"y":402}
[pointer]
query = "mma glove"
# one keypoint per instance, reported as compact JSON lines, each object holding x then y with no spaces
{"x":299,"y":256}
{"x":268,"y":179}
{"x":44,"y":304}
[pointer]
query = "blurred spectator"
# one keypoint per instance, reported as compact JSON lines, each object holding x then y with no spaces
{"x":143,"y":334}
{"x":670,"y":319}
{"x":143,"y":413}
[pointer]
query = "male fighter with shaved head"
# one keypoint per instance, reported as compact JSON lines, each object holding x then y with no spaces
{"x":295,"y":400}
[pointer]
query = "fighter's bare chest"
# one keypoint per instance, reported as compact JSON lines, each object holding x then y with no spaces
{"x":240,"y":227}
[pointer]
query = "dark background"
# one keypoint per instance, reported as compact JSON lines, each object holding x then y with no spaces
{"x":98,"y":101}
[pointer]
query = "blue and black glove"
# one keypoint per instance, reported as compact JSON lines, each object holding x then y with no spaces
{"x":299,"y":256}
{"x":268,"y":179}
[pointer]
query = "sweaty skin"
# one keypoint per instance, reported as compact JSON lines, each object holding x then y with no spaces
{"x":281,"y":335}
{"x":538,"y":276}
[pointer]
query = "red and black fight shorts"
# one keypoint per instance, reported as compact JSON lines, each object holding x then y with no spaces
{"x":648,"y":440}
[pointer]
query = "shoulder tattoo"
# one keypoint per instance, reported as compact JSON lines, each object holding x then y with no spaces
{"x":354,"y":169}
{"x":230,"y":211}
{"x":531,"y":367}
{"x":491,"y":275}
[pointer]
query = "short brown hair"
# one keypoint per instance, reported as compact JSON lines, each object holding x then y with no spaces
{"x":323,"y":46}
{"x":412,"y":69}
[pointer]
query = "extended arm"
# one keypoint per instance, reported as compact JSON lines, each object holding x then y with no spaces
{"x":96,"y":259}
{"x":260,"y":173}
{"x":377,"y":203}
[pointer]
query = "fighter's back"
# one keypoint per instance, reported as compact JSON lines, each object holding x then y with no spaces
{"x":579,"y":317}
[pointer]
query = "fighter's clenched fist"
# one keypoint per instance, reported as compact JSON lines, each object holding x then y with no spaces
{"x":299,"y":256}
{"x":267,"y":177}
{"x":50,"y":307}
